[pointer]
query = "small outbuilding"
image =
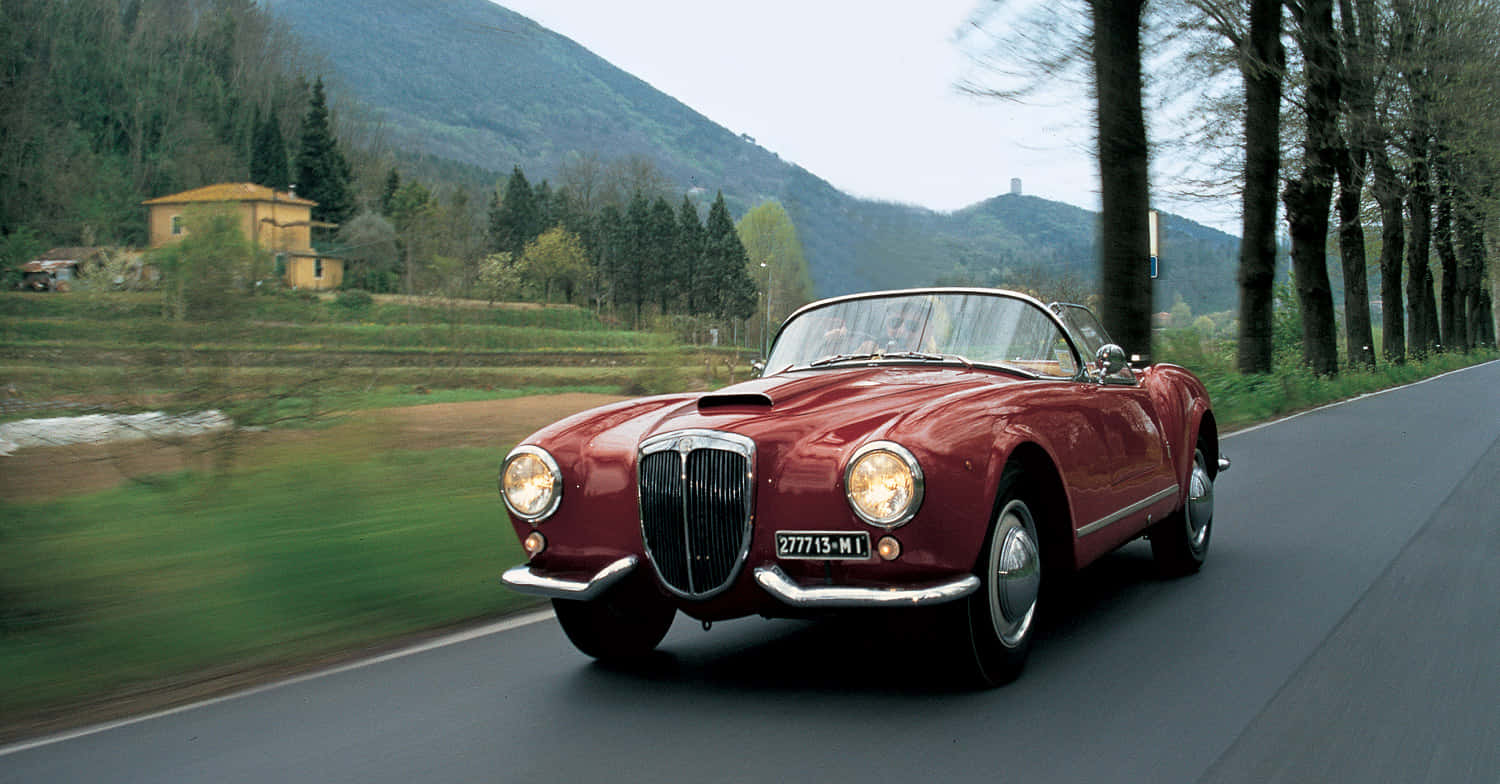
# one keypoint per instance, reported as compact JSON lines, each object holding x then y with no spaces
{"x":56,"y":269}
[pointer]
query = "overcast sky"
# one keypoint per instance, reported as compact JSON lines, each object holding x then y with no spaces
{"x":859,"y":92}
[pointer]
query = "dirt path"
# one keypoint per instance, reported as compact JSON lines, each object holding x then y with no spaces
{"x":42,"y":473}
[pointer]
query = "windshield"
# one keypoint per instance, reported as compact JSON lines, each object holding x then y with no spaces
{"x":932,"y":326}
{"x":1086,"y":328}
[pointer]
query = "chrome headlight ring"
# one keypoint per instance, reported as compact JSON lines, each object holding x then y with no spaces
{"x":883,"y":484}
{"x":531,"y":484}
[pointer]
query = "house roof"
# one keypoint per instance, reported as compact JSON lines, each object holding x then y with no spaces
{"x":48,"y":265}
{"x":68,"y":254}
{"x":230,"y":191}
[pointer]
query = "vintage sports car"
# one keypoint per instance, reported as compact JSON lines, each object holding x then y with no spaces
{"x":929,"y":447}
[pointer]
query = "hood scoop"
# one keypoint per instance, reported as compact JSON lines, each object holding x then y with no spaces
{"x":734,"y":400}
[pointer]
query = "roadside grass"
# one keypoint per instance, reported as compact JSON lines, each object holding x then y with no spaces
{"x":1242,"y":400}
{"x":328,"y":548}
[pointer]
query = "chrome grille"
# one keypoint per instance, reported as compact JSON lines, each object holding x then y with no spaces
{"x":695,"y":497}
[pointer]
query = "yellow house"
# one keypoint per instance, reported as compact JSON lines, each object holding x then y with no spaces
{"x":278,"y":221}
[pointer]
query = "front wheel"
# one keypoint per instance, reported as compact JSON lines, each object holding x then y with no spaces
{"x":621,"y":624}
{"x":1179,"y":543}
{"x":1000,"y":618}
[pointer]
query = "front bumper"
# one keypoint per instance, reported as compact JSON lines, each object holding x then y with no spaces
{"x":584,"y":586}
{"x":779,"y":585}
{"x":581,"y":586}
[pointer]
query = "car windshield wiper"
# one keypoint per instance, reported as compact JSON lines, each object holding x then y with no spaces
{"x":922,"y":355}
{"x":929,"y":357}
{"x":833,"y":358}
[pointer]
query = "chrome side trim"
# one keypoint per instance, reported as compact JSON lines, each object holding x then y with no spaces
{"x":1103,"y":522}
{"x":527,"y":580}
{"x":779,"y":585}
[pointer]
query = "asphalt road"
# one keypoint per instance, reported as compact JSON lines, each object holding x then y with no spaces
{"x":1346,"y":627}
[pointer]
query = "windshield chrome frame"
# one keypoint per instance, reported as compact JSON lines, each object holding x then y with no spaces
{"x":1079,"y":361}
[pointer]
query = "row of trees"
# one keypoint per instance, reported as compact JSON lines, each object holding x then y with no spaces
{"x":1397,"y":127}
{"x":606,"y":237}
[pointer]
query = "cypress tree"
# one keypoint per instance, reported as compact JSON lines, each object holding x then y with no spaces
{"x":513,"y":222}
{"x":322,"y":171}
{"x":268,"y":158}
{"x":610,"y":262}
{"x":637,"y":274}
{"x":665,"y":269}
{"x":690,"y":257}
{"x":725,"y":261}
{"x":388,"y":194}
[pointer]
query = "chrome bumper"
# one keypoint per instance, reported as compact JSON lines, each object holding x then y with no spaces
{"x":779,"y":585}
{"x":568,"y":585}
{"x":1223,"y":464}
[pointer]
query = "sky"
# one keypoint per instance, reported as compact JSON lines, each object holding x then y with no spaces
{"x":862,"y":93}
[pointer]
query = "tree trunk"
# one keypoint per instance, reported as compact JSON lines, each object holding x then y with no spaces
{"x":1351,"y":163}
{"x":1392,"y":244}
{"x":1418,"y":246}
{"x":1261,"y":70}
{"x":1307,"y":199}
{"x":1448,"y":321}
{"x":1125,"y":276}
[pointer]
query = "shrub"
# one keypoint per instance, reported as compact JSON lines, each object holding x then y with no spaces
{"x":354,"y":300}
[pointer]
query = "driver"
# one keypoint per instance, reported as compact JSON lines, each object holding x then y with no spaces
{"x":901,"y":331}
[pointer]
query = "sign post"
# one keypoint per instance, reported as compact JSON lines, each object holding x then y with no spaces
{"x":1153,"y":223}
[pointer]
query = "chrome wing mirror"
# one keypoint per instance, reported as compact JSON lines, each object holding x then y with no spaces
{"x":1109,"y":360}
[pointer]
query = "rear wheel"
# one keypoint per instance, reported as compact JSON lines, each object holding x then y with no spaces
{"x":621,"y":624}
{"x":999,"y":620}
{"x":1179,"y":543}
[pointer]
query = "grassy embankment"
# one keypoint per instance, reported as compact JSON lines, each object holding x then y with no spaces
{"x":325,"y":544}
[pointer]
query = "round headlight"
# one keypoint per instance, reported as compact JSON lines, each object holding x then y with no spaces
{"x":531,"y":483}
{"x":884,"y":484}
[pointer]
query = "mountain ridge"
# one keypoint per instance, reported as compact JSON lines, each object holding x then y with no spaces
{"x":477,"y":83}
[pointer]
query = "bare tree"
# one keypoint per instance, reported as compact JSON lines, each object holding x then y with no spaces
{"x":1049,"y":44}
{"x":1307,"y":197}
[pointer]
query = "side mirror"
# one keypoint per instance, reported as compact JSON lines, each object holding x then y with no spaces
{"x":1109,"y":360}
{"x":759,"y":366}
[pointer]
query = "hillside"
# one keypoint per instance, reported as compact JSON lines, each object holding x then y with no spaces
{"x":474,"y":82}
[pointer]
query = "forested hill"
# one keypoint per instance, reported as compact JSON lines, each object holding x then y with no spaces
{"x":477,"y":83}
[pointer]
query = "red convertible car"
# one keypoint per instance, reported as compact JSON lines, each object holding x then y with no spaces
{"x":944,"y":446}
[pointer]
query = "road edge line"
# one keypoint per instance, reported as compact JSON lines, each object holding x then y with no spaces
{"x":497,"y":627}
{"x":1255,"y":427}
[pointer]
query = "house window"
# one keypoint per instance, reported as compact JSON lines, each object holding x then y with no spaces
{"x":318,"y":268}
{"x":176,"y":224}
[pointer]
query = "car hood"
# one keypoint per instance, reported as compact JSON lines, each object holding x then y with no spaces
{"x":827,"y":412}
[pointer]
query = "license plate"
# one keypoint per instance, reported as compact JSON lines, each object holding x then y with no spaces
{"x":823,"y":545}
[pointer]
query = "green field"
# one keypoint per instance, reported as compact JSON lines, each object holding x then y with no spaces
{"x":328,"y":544}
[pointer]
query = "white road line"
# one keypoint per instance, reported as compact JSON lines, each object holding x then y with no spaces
{"x":440,"y":642}
{"x":1254,"y":428}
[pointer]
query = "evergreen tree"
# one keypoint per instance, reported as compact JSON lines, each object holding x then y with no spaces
{"x":725,"y":262}
{"x":322,"y":171}
{"x":388,"y":193}
{"x":664,"y":268}
{"x":546,"y":209}
{"x":609,"y":264}
{"x":513,"y":222}
{"x":268,"y":158}
{"x":637,"y":273}
{"x":691,"y":280}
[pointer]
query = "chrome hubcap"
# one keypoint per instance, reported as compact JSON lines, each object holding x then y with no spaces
{"x":1016,"y":574}
{"x":1200,"y":510}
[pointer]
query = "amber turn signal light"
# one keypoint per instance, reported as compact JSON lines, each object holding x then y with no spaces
{"x":534,"y":543}
{"x":888,"y":548}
